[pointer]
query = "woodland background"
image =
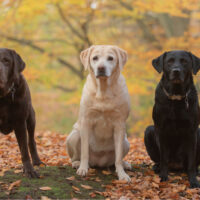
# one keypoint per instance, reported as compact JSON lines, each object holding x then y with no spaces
{"x":50,"y":34}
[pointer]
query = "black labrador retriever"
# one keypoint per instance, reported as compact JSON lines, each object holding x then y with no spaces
{"x":174,"y":140}
{"x":16,"y":111}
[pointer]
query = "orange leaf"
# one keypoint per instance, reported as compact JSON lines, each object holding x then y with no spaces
{"x":87,"y":187}
{"x":71,"y":178}
{"x":45,"y":188}
{"x":106,"y":172}
{"x":14,"y":184}
{"x":76,"y":189}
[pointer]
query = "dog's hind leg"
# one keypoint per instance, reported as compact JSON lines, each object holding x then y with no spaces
{"x":73,"y":145}
{"x":152,"y":147}
{"x":31,"y":140}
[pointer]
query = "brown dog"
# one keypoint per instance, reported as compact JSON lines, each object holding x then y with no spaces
{"x":16,"y":111}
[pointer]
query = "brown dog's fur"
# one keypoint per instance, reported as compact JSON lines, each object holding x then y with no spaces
{"x":16,"y":111}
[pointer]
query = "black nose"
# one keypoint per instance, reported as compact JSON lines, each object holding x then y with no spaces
{"x":176,"y":71}
{"x":101,"y":69}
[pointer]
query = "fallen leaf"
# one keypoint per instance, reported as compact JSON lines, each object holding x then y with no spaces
{"x":17,"y":171}
{"x":1,"y":173}
{"x":106,"y":172}
{"x":45,"y":198}
{"x":92,"y":194}
{"x":75,"y":188}
{"x":14,"y":184}
{"x":28,"y":197}
{"x":71,"y":178}
{"x":87,"y":187}
{"x":45,"y":188}
{"x":119,"y":181}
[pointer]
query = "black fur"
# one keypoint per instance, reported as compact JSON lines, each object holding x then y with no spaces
{"x":174,"y":139}
{"x":16,"y":111}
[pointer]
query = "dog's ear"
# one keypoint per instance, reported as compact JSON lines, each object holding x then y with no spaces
{"x":85,"y":57}
{"x":158,"y":62}
{"x":19,"y":64}
{"x":122,"y":57}
{"x":195,"y":63}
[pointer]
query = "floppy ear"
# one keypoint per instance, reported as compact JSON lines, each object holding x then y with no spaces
{"x":158,"y":62}
{"x":195,"y":63}
{"x":122,"y":57}
{"x":19,"y":64}
{"x":85,"y":57}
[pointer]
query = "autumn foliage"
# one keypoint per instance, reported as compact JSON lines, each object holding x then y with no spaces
{"x":144,"y":182}
{"x":50,"y":35}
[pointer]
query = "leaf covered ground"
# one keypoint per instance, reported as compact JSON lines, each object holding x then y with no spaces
{"x":59,"y":181}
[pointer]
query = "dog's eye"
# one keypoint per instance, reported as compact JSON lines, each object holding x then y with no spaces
{"x":6,"y":61}
{"x":183,"y":61}
{"x":110,"y":58}
{"x":95,"y":58}
{"x":170,"y":61}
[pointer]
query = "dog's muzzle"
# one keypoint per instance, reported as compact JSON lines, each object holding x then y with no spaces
{"x":101,"y":72}
{"x":176,"y":75}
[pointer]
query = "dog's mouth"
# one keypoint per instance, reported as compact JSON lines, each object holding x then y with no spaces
{"x":177,"y":81}
{"x":101,"y":75}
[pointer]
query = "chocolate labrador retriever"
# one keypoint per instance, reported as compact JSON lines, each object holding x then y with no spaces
{"x":174,"y":140}
{"x":16,"y":111}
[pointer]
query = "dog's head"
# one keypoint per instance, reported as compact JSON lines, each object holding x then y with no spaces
{"x":11,"y":65}
{"x":103,"y":59}
{"x":177,"y":65}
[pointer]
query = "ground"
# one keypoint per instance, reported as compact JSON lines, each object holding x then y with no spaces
{"x":59,"y":181}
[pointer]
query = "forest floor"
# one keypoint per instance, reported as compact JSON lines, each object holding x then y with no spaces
{"x":59,"y":181}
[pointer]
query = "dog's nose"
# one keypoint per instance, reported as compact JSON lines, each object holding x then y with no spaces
{"x":101,"y":69}
{"x":176,"y":71}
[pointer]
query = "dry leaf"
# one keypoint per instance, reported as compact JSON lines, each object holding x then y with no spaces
{"x":17,"y":171}
{"x":119,"y":182}
{"x":106,"y":172}
{"x":45,"y":198}
{"x":1,"y":173}
{"x":75,"y":188}
{"x":28,"y":197}
{"x":87,"y":187}
{"x":71,"y":178}
{"x":45,"y":188}
{"x":14,"y":184}
{"x":92,"y":194}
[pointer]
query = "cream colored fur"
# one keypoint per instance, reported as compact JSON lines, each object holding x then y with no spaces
{"x":99,"y":136}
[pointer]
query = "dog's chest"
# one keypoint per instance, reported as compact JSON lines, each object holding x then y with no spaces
{"x":103,"y":125}
{"x":5,"y":119}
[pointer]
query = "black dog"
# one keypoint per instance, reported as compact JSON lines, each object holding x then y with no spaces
{"x":174,"y":140}
{"x":16,"y":111}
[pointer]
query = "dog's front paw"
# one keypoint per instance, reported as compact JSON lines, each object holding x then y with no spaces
{"x":124,"y":176}
{"x":82,"y":171}
{"x":194,"y":183}
{"x":29,"y":171}
{"x":163,"y":178}
{"x":76,"y":164}
{"x":38,"y":163}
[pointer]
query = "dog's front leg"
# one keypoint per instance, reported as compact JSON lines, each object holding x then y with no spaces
{"x":21,"y":135}
{"x":191,"y":157}
{"x":119,"y":135}
{"x":164,"y":156}
{"x":84,"y":133}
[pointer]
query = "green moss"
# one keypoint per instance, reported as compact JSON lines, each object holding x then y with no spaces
{"x":54,"y":177}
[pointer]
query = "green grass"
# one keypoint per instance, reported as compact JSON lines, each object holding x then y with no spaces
{"x":54,"y":177}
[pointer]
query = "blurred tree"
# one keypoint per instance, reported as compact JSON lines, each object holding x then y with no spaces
{"x":50,"y":35}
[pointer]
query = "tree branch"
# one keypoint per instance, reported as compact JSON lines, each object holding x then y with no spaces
{"x":64,"y":89}
{"x":60,"y":11}
{"x":42,"y":50}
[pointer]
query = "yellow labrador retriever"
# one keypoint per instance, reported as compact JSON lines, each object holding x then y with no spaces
{"x":99,"y":136}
